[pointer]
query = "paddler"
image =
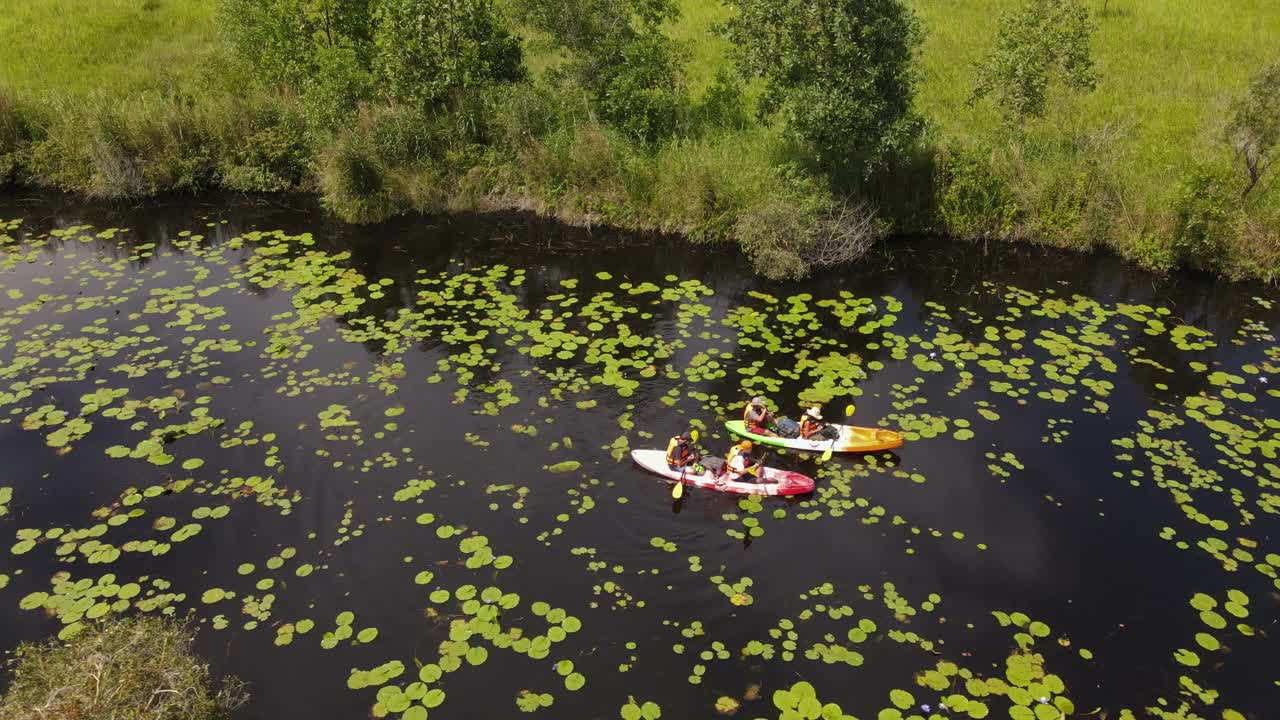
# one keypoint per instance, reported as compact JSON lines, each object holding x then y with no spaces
{"x":811,"y":424}
{"x":680,"y":451}
{"x":740,"y":462}
{"x":757,"y":418}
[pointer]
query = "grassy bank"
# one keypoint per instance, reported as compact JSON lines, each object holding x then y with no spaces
{"x":136,"y":97}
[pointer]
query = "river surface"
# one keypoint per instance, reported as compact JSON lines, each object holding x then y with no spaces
{"x":386,"y":472}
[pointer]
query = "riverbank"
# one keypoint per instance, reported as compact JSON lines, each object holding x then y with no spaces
{"x":1138,"y":166}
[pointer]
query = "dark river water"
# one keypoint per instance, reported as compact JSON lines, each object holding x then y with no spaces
{"x":385,"y":470}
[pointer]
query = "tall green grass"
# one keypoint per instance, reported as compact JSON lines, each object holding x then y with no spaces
{"x":114,"y":46}
{"x":1169,"y":70}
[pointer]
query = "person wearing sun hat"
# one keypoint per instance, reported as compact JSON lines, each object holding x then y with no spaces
{"x":811,"y":423}
{"x":757,"y":418}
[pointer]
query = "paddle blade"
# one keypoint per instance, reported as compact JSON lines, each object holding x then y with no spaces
{"x":678,"y":491}
{"x":694,"y":436}
{"x":848,"y":410}
{"x":826,"y":454}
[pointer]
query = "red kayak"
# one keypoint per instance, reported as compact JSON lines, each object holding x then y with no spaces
{"x":772,"y":480}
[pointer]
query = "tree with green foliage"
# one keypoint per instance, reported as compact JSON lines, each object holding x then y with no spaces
{"x":1254,"y":130}
{"x":619,"y":54}
{"x":1040,"y":41}
{"x":426,"y":50}
{"x":840,"y":73}
{"x":280,"y":38}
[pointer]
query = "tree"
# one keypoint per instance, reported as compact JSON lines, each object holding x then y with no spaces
{"x":1254,"y":130}
{"x":619,"y":54}
{"x":1042,"y":40}
{"x":840,"y":73}
{"x":427,"y":49}
{"x":280,"y":38}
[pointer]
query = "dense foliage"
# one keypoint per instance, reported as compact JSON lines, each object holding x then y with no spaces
{"x":425,"y":50}
{"x":283,"y":39}
{"x":619,"y":54}
{"x":693,"y":116}
{"x":1041,"y":41}
{"x":839,"y":73}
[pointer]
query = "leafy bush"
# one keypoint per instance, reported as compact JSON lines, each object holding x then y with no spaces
{"x":643,"y":94}
{"x":426,"y":50}
{"x":523,"y":112}
{"x":334,"y":91}
{"x":17,"y":119}
{"x":723,"y":105}
{"x":1042,"y":40}
{"x":271,"y":153}
{"x":280,"y":38}
{"x":838,"y":72}
{"x":1067,"y":212}
{"x":134,"y":669}
{"x":1205,"y":212}
{"x":620,"y":55}
{"x":354,"y":184}
{"x":127,"y":148}
{"x":774,"y":233}
{"x":973,"y":199}
{"x":1152,"y":251}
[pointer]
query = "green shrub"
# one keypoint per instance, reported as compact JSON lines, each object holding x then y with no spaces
{"x":127,"y":148}
{"x":973,"y":200}
{"x":354,"y":184}
{"x":644,"y":94}
{"x":1035,"y":44}
{"x":270,"y":152}
{"x":332,"y":93}
{"x":426,"y":51}
{"x":140,"y":668}
{"x":527,"y":111}
{"x":1205,"y":211}
{"x":839,"y":73}
{"x":618,"y":52}
{"x":17,"y":128}
{"x":774,"y":233}
{"x":1151,"y":250}
{"x":1067,"y":212}
{"x":723,"y":105}
{"x":279,"y":39}
{"x":1256,"y":252}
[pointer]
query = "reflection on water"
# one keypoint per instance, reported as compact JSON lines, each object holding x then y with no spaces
{"x":340,"y":448}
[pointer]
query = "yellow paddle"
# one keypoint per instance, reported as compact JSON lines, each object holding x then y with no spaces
{"x":678,"y":491}
{"x":827,"y":454}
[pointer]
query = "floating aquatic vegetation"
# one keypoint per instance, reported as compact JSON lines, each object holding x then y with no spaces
{"x":272,"y":388}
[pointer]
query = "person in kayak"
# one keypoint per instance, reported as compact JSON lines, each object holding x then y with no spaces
{"x":757,"y":418}
{"x":680,"y":452}
{"x":811,"y":425}
{"x":740,"y":463}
